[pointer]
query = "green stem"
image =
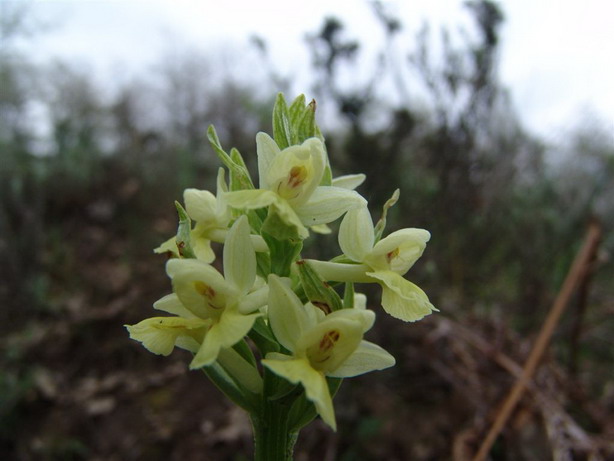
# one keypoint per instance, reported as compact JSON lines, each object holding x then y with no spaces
{"x":272,"y":439}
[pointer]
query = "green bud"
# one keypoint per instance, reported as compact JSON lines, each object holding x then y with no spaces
{"x":184,"y":244}
{"x":276,"y":227}
{"x":348,"y":295}
{"x":381,"y":224}
{"x":319,"y":293}
{"x":239,"y":176}
{"x":282,"y":132}
{"x":295,"y":113}
{"x":283,"y":251}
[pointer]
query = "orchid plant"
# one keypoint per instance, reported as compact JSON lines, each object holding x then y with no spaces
{"x":277,"y":333}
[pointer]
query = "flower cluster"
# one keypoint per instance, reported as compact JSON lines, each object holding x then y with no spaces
{"x":305,"y":334}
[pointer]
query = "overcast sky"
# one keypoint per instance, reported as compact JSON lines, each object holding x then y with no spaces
{"x":556,"y":56}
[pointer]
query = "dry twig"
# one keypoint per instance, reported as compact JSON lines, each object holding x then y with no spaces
{"x":576,"y":273}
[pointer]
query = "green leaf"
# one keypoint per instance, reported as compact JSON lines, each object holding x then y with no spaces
{"x":285,"y":390}
{"x":255,"y":218}
{"x":184,"y":245}
{"x":229,"y":387}
{"x":214,"y":140}
{"x":236,"y":157}
{"x":239,"y":176}
{"x":348,"y":295}
{"x":244,"y":374}
{"x":327,"y":177}
{"x":263,"y":337}
{"x":295,"y":113}
{"x":276,"y":227}
{"x":282,"y":132}
{"x":381,"y":224}
{"x":243,"y":349}
{"x":303,"y":411}
{"x":306,"y":125}
{"x":320,"y":293}
{"x":263,"y":264}
{"x":283,"y":253}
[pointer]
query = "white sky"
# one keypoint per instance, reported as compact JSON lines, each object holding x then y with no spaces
{"x":557,"y":56}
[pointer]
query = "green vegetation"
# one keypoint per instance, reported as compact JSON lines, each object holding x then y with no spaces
{"x":88,"y":191}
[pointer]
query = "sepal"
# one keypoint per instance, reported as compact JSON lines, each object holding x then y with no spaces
{"x":401,"y":298}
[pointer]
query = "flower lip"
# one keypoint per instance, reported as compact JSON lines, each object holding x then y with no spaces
{"x":323,"y":351}
{"x":398,"y":251}
{"x":199,"y":287}
{"x":289,"y":187}
{"x":212,"y":299}
{"x":328,"y":344}
{"x":296,"y":171}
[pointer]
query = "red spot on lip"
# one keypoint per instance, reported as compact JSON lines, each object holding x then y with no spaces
{"x":392,"y":254}
{"x":207,"y":292}
{"x":296,"y":176}
{"x":329,"y":340}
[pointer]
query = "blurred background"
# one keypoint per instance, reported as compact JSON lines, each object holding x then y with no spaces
{"x":495,"y":119}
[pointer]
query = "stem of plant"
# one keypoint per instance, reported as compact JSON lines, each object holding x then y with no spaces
{"x":272,"y":439}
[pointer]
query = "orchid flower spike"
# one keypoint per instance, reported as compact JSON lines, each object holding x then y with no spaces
{"x":320,"y":345}
{"x":290,"y":186}
{"x":384,"y":262}
{"x":215,"y":311}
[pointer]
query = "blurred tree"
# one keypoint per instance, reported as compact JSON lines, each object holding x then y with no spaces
{"x":194,"y":93}
{"x":20,"y":196}
{"x":78,"y":122}
{"x":461,"y":158}
{"x":137,"y":137}
{"x":330,"y":51}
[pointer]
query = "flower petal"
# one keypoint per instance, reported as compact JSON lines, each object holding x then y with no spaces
{"x":229,"y":330}
{"x":287,"y":315}
{"x":254,"y":300}
{"x":171,"y":304}
{"x":341,"y":272}
{"x":331,"y":342}
{"x":223,"y":214}
{"x":189,"y":343}
{"x":200,"y":288}
{"x":326,"y":204}
{"x":201,"y":205}
{"x":159,"y":334}
{"x":401,"y":298}
{"x":364,"y":316}
{"x":267,"y":150}
{"x":321,"y":229}
{"x":239,"y":256}
{"x":356,"y":234}
{"x":360,"y":301}
{"x":250,"y":199}
{"x":297,"y":171}
{"x":287,"y":214}
{"x":240,"y":369}
{"x":201,"y":245}
{"x":170,"y":246}
{"x":367,"y":357}
{"x":299,"y":371}
{"x":349,"y":181}
{"x":398,"y":251}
